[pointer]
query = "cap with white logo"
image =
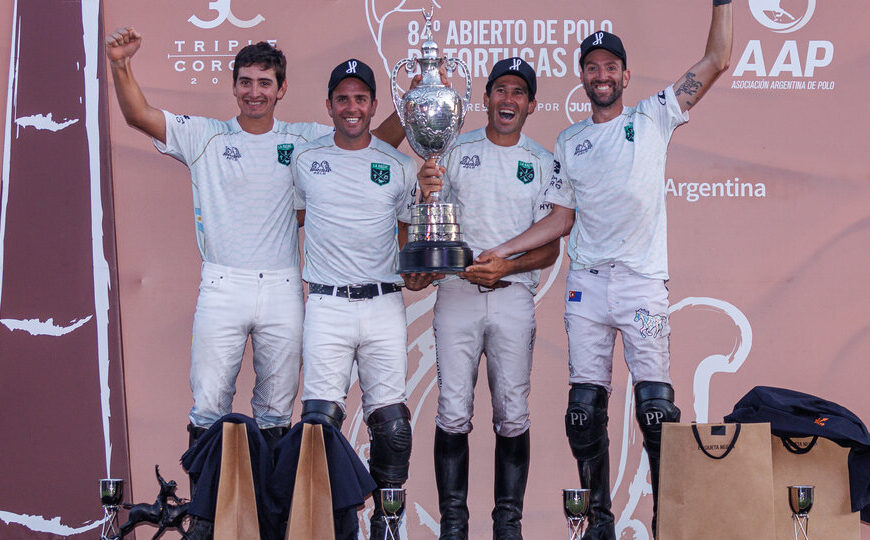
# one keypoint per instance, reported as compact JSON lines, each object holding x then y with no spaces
{"x":351,"y":68}
{"x":602,"y":40}
{"x":514,"y":66}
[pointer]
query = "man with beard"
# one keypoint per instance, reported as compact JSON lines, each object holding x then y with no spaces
{"x":491,"y":310}
{"x":353,"y":190}
{"x":608,"y":191}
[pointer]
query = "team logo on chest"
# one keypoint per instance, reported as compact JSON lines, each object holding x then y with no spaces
{"x":583,"y":147}
{"x":470,"y":162}
{"x":525,"y":172}
{"x":629,"y":132}
{"x":232,"y":153}
{"x":320,"y":167}
{"x":285,"y":152}
{"x":380,"y":174}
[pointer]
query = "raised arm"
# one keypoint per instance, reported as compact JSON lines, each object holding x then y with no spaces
{"x":121,"y":45}
{"x":692,"y":86}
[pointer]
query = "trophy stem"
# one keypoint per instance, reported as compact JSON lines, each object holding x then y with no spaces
{"x":109,"y":530}
{"x":802,"y":524}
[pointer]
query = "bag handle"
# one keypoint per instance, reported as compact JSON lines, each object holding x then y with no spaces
{"x":727,"y":450}
{"x":793,"y":447}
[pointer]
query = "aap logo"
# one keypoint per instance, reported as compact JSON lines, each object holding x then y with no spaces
{"x":771,"y":14}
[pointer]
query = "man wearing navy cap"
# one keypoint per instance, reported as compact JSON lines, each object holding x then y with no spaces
{"x":352,"y":191}
{"x":496,"y":176}
{"x":608,"y":192}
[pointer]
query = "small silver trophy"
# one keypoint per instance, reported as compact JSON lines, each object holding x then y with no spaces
{"x":800,"y":498}
{"x":432,"y":115}
{"x":392,"y":501}
{"x":111,"y":493}
{"x":576,"y":505}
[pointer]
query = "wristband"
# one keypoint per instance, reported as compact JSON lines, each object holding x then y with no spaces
{"x":721,"y":2}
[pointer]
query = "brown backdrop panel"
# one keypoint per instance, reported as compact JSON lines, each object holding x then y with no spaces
{"x":767,"y":203}
{"x":60,"y":333}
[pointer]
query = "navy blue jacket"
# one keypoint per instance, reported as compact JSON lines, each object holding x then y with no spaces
{"x":795,"y":414}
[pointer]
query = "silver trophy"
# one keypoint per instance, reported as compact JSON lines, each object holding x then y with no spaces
{"x":392,"y":501}
{"x":111,"y":493}
{"x":432,"y":115}
{"x":800,"y":498}
{"x":575,"y":502}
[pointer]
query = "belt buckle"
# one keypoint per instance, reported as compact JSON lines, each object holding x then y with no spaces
{"x":484,"y":289}
{"x":355,"y":288}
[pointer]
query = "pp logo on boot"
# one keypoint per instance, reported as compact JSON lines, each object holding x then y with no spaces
{"x":653,"y":418}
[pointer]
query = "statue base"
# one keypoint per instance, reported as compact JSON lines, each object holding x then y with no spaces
{"x":444,"y":257}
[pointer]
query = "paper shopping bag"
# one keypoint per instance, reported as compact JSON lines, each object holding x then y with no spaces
{"x":815,"y":462}
{"x":236,"y":509}
{"x":715,"y":482}
{"x":311,"y":509}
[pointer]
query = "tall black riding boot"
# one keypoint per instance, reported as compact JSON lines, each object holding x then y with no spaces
{"x":511,"y":474}
{"x":273,"y":436}
{"x":451,"y":477}
{"x":194,"y":433}
{"x":586,"y":427}
{"x":595,"y":476}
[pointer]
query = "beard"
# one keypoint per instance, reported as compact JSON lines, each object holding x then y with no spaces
{"x":603,"y":103}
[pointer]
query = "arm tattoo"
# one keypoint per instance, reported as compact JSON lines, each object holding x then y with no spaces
{"x":690,"y":86}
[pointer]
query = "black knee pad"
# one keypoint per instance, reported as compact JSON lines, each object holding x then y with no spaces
{"x":390,"y":450}
{"x":654,"y":404}
{"x":321,"y":410}
{"x":586,"y":420}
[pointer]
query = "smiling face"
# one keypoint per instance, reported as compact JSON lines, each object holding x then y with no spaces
{"x":257,"y":92}
{"x":507,"y":106}
{"x":351,"y":108}
{"x":604,"y":78}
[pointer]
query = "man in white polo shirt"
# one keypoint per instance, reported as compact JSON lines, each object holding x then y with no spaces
{"x":245,"y":227}
{"x":496,"y":176}
{"x":353,"y":191}
{"x":608,"y":191}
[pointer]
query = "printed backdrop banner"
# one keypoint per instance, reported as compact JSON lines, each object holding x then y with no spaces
{"x":767,"y":201}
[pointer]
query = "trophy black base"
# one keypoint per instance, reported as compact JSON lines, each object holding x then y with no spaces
{"x":435,"y":256}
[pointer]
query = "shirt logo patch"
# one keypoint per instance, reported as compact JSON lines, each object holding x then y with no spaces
{"x":285,"y":152}
{"x":662,"y":97}
{"x":575,"y":296}
{"x":629,"y":132}
{"x":525,"y":172}
{"x":181,"y":118}
{"x":470,"y":162}
{"x":380,"y":174}
{"x":321,"y":167}
{"x":583,"y":147}
{"x":557,"y":167}
{"x":232,"y":153}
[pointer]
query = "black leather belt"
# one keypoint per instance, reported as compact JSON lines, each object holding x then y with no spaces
{"x":362,"y":291}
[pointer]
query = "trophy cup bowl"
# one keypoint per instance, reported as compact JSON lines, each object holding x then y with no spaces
{"x":432,"y":115}
{"x":800,"y":498}
{"x":392,"y":501}
{"x":111,"y":491}
{"x":575,"y":503}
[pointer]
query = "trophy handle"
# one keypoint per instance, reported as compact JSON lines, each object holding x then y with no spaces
{"x":394,"y":85}
{"x":451,"y":64}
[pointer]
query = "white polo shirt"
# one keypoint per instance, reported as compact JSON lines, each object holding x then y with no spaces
{"x":242,"y":189}
{"x":612,"y":174}
{"x":499,"y":191}
{"x":352,"y":199}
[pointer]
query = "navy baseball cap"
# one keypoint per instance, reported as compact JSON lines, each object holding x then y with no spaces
{"x":602,"y":40}
{"x":514,"y":66}
{"x":351,"y":68}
